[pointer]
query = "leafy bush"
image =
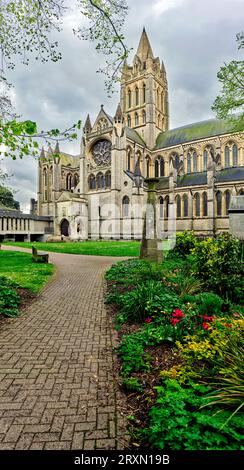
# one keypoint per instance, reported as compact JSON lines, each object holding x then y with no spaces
{"x":185,"y":242}
{"x":147,"y":299}
{"x":229,"y":386}
{"x":209,"y":303}
{"x":131,"y":348}
{"x":177,"y":423}
{"x":9,"y":299}
{"x":218,"y":264}
{"x":127,"y":271}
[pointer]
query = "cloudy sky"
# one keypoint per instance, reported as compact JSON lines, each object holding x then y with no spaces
{"x":193,"y":37}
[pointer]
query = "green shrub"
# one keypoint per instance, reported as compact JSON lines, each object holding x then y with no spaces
{"x":177,"y":423}
{"x":209,"y":303}
{"x":9,"y":299}
{"x":218,"y":264}
{"x":229,"y":384}
{"x":147,"y":299}
{"x":185,"y":242}
{"x":131,"y":348}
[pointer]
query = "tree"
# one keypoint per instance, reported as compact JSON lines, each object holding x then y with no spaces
{"x":7,"y":198}
{"x":25,"y":27}
{"x":229,"y":104}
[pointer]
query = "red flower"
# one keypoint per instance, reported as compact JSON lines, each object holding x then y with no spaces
{"x":229,"y":325}
{"x":236,"y":315}
{"x":208,"y":318}
{"x":205,"y":326}
{"x":178,"y":313}
{"x":148,"y":320}
{"x":174,"y":321}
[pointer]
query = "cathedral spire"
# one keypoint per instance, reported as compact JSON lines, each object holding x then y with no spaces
{"x":42,"y":154}
{"x":57,"y":149}
{"x":118,"y":115}
{"x":144,"y":50}
{"x":88,"y":126}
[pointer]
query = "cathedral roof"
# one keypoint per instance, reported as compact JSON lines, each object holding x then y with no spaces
{"x":144,"y":50}
{"x":192,"y":132}
{"x":200,"y":178}
{"x":71,"y":160}
{"x":133,"y":135}
{"x":65,"y":158}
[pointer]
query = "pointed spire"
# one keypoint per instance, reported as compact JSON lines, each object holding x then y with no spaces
{"x":57,"y":149}
{"x":42,"y":154}
{"x":50,"y":150}
{"x":88,"y":126}
{"x":163,"y":67}
{"x":144,"y":50}
{"x":118,"y":115}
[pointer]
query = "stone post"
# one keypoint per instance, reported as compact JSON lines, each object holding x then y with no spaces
{"x":150,"y":244}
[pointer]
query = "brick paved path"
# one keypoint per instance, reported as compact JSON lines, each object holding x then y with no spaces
{"x":56,"y":370}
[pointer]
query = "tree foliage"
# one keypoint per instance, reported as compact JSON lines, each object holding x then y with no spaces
{"x":230,"y":103}
{"x":25,"y":29}
{"x":7,"y":198}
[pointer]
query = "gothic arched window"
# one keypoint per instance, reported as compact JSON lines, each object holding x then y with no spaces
{"x":125,"y":204}
{"x":219,"y":202}
{"x":137,"y":96}
{"x":197,"y":205}
{"x":178,"y":206}
{"x":108,"y":179}
{"x":185,"y":205}
{"x":148,"y":167}
{"x":76,"y":180}
{"x":188,"y":163}
{"x":166,"y":204}
{"x":129,"y":98}
{"x":128,"y":121}
{"x":227,"y":202}
{"x":195,"y":162}
{"x":227,"y":156}
{"x":45,"y":176}
{"x":92,"y":182}
{"x":144,"y":117}
{"x":144,"y":93}
{"x":205,"y":160}
{"x":99,"y":180}
{"x":205,"y":204}
{"x":235,"y":155}
{"x":129,"y":159}
{"x":161,"y":207}
{"x":68,"y":182}
{"x":136,"y":119}
{"x":177,"y":161}
{"x":161,"y":166}
{"x":156,"y":168}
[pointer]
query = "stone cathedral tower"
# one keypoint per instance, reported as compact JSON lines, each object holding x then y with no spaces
{"x":144,"y":93}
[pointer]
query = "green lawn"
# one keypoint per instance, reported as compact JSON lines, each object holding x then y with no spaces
{"x":19,"y":267}
{"x":98,"y":248}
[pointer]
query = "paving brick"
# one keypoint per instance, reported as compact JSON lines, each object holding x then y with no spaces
{"x":56,"y":374}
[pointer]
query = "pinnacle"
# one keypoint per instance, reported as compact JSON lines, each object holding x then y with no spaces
{"x":144,"y":50}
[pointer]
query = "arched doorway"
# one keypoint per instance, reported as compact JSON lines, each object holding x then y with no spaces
{"x":64,"y":226}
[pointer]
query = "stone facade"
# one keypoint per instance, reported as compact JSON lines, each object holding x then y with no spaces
{"x":199,"y":166}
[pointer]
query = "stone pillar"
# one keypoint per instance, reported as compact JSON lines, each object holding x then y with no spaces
{"x":150,"y":246}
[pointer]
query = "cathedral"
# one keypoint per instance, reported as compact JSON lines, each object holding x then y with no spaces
{"x":195,"y":168}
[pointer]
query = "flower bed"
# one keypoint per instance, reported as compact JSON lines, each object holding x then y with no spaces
{"x":179,"y":353}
